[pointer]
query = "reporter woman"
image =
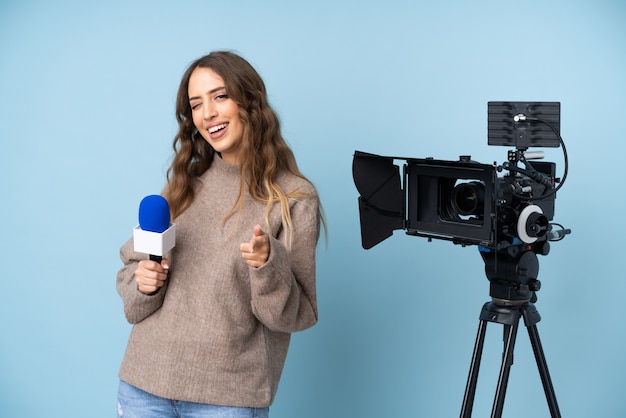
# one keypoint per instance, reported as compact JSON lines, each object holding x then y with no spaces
{"x":212,"y":321}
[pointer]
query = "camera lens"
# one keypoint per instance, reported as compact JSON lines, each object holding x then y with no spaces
{"x":468,"y":198}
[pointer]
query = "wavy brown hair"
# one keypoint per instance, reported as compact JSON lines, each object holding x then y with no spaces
{"x":264,"y":152}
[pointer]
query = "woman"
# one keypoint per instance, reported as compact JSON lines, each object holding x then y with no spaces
{"x":212,"y":321}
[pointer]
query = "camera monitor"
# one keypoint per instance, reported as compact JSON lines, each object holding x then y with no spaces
{"x":513,"y":124}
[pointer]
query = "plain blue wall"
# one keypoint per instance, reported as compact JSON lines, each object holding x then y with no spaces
{"x":86,"y":123}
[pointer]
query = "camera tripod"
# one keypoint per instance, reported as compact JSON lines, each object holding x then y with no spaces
{"x":511,"y":300}
{"x":508,"y":316}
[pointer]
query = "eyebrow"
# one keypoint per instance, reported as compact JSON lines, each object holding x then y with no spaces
{"x":215,"y":90}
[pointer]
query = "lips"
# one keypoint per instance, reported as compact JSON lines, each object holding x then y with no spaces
{"x":217,"y":131}
{"x":217,"y":128}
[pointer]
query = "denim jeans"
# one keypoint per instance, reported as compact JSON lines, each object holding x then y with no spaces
{"x":133,"y":402}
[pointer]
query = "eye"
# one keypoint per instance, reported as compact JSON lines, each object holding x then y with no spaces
{"x":222,"y":96}
{"x":194,"y":106}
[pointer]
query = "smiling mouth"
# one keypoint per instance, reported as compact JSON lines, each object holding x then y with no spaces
{"x":217,"y":128}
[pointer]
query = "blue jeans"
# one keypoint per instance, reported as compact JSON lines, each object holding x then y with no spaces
{"x":133,"y":402}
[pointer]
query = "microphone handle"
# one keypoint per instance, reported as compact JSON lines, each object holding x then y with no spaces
{"x":158,"y":259}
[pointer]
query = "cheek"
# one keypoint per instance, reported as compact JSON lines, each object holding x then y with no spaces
{"x":197,"y":120}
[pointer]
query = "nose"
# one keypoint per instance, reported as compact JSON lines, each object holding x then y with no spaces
{"x":210,"y":111}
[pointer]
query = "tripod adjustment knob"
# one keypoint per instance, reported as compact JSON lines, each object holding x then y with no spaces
{"x":534,"y":285}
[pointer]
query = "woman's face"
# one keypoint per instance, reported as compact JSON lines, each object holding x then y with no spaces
{"x":215,"y":114}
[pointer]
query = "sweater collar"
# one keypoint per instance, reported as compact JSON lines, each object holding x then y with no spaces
{"x":223,"y":166}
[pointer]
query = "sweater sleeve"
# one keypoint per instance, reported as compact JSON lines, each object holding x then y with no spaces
{"x":137,"y":305}
{"x":284,"y":295}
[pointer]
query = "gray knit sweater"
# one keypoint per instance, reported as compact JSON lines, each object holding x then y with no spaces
{"x":218,"y":332}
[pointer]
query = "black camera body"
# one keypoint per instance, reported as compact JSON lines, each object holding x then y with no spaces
{"x":466,"y":202}
{"x":461,"y":201}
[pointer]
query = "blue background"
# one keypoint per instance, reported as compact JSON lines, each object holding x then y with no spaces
{"x":86,"y":124}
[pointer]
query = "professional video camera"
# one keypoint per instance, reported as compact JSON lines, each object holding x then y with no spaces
{"x":508,"y":217}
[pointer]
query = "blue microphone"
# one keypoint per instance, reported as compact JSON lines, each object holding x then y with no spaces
{"x":155,"y":235}
{"x":154,"y":213}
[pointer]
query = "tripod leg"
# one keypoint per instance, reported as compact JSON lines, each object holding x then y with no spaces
{"x":543,"y":371}
{"x":507,"y":361}
{"x":472,"y":379}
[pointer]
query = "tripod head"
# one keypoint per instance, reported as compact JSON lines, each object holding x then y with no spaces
{"x":512,"y":273}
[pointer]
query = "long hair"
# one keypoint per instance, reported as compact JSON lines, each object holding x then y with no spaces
{"x":264,"y":152}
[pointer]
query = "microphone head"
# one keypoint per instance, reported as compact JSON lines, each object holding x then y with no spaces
{"x":154,"y":213}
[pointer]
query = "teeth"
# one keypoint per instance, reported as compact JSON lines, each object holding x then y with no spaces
{"x":217,"y":128}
